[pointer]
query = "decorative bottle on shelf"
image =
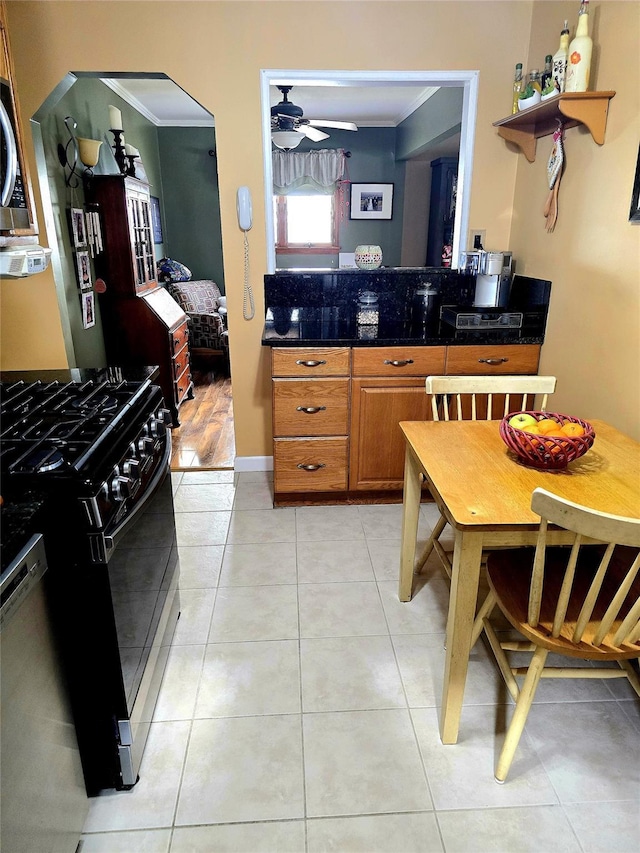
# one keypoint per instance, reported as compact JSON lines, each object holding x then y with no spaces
{"x":534,"y":79}
{"x":547,"y":74}
{"x":517,"y":88}
{"x":580,"y":50}
{"x":560,"y":59}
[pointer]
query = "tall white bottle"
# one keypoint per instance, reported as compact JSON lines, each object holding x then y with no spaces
{"x":560,"y":59}
{"x":580,"y":51}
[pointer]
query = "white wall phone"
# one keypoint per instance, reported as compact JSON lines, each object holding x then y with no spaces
{"x":245,"y":210}
{"x":245,"y":221}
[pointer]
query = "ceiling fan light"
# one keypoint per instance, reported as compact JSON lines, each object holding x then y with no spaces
{"x":286,"y":138}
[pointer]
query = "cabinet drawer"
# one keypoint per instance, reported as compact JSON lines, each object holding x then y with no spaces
{"x":398,"y":361}
{"x":180,"y":362}
{"x":310,"y":406}
{"x":179,"y":337}
{"x":471,"y":360}
{"x":182,"y":386}
{"x":310,"y":361}
{"x":326,"y":458}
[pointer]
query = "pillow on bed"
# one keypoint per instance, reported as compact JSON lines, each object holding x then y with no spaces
{"x":169,"y":270}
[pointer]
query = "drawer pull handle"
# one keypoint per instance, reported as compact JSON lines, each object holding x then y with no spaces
{"x":401,"y":363}
{"x":493,"y":360}
{"x":311,"y":410}
{"x":311,"y":467}
{"x":310,"y":363}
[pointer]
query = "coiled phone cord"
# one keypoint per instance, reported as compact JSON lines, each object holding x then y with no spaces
{"x":248,"y":307}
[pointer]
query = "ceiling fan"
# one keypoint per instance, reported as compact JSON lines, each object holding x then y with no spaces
{"x":289,"y":128}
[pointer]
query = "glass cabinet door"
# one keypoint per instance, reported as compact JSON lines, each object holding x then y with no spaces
{"x":139,"y":213}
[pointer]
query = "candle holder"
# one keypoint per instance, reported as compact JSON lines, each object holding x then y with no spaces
{"x":131,"y":169}
{"x":118,"y":152}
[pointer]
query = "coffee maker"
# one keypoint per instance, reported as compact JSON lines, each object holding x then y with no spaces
{"x":493,"y":272}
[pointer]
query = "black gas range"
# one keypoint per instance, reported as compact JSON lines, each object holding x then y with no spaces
{"x":94,"y":446}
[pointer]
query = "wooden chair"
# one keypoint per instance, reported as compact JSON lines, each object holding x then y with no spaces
{"x":478,"y":398}
{"x":580,"y":601}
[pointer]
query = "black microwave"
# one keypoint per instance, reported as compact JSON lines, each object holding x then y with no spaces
{"x":14,"y":212}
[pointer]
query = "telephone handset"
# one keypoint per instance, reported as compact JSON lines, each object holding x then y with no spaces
{"x":245,"y":211}
{"x":245,"y":221}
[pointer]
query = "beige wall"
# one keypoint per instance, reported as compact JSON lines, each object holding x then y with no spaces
{"x":593,"y":256}
{"x":215,"y":50}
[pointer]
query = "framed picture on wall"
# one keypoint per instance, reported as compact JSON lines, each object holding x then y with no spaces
{"x":156,"y":222}
{"x":88,"y":310}
{"x":371,"y":201}
{"x":78,"y":227}
{"x":84,"y":270}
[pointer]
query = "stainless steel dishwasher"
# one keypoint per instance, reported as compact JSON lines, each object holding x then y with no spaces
{"x":42,"y":794}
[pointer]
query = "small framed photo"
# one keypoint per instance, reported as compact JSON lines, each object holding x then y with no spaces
{"x":78,"y":228}
{"x":156,"y":222}
{"x":371,"y":201}
{"x":84,"y":270}
{"x":88,"y":310}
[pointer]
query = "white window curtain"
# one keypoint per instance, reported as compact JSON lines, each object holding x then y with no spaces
{"x":319,"y":171}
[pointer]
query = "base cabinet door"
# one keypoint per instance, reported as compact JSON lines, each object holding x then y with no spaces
{"x":377,"y":445}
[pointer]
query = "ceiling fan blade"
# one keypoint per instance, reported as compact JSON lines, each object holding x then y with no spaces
{"x":340,"y":125}
{"x":313,"y":134}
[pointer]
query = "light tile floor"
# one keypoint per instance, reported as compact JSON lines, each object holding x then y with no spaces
{"x":298,"y":713}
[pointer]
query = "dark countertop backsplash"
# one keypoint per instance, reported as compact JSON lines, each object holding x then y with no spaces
{"x":318,"y":308}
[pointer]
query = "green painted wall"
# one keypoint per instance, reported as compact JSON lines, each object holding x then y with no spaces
{"x":88,"y":102}
{"x":434,"y":121}
{"x":372,"y":161}
{"x":191,"y":200}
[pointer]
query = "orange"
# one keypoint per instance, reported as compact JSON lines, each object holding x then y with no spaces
{"x":547,"y":425}
{"x":531,"y":429}
{"x":572,"y":430}
{"x":555,"y":433}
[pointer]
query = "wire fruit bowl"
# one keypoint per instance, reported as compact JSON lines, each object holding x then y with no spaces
{"x":549,"y":452}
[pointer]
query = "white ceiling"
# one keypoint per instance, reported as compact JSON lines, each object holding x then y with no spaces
{"x":373,"y":105}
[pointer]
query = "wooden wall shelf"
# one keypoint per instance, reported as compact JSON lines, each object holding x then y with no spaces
{"x":574,"y":108}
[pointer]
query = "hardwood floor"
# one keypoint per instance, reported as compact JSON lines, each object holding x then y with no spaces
{"x":205,"y":439}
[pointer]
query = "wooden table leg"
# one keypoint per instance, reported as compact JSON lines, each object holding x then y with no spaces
{"x":465,"y":577}
{"x":410,"y":515}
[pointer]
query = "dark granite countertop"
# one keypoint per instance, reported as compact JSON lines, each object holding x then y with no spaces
{"x":330,"y":327}
{"x":319,"y":308}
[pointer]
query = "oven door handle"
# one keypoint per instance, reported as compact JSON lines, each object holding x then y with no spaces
{"x":111,"y":540}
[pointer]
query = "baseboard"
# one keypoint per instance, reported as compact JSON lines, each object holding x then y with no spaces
{"x":253,"y":463}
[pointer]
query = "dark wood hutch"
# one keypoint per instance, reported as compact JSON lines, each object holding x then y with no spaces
{"x":142,"y":324}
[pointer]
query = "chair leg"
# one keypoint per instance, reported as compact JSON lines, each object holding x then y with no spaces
{"x":521,"y":713}
{"x":631,"y":675}
{"x":485,"y":611}
{"x":428,"y":548}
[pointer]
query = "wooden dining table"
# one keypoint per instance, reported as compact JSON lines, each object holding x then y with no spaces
{"x":485,"y":494}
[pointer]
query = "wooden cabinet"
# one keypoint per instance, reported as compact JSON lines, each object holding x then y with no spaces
{"x":442,"y":208}
{"x":142,"y":324}
{"x":487,"y":359}
{"x":310,"y":361}
{"x":387,"y":387}
{"x":336,"y":411}
{"x":17,"y":213}
{"x":377,"y":446}
{"x":310,"y":419}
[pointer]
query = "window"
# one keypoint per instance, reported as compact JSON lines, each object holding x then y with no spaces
{"x":306,"y":223}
